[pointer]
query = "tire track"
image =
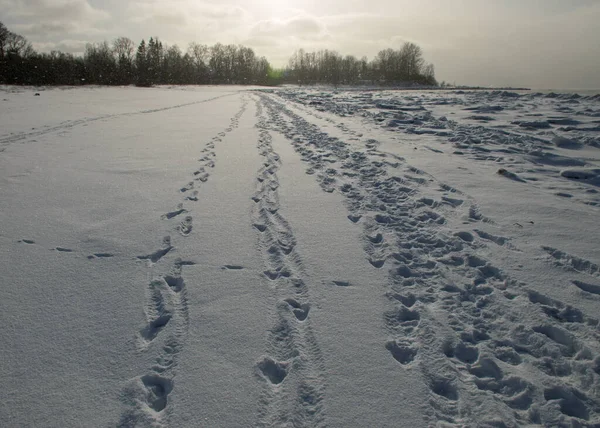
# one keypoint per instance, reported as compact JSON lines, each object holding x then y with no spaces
{"x":491,"y":351}
{"x":146,"y":397}
{"x":293,"y":367}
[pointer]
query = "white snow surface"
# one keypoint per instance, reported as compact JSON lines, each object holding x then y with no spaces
{"x":226,"y":256}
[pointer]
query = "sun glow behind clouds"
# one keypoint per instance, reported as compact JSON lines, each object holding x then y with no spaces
{"x":514,"y":42}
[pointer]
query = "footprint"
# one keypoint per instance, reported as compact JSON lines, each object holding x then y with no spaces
{"x":376,"y":239}
{"x":158,"y":388}
{"x":486,"y":368}
{"x":185,"y":227}
{"x":274,"y":274}
{"x":203,"y":177}
{"x":178,"y":263}
{"x":569,"y":345}
{"x":27,"y":241}
{"x":300,"y":310}
{"x":555,"y":309}
{"x":408,"y":300}
{"x":508,"y":355}
{"x":573,"y":262}
{"x":402,"y":352}
{"x":189,"y":186}
{"x":175,"y":282}
{"x":402,"y":316}
{"x":354,"y":218}
{"x":158,"y":310}
{"x":178,"y":211}
{"x":155,"y":326}
{"x":159,"y":254}
{"x":273,"y":371}
{"x":443,"y":387}
{"x":587,"y":287}
{"x":571,"y":401}
{"x":341,"y":283}
{"x":377,"y":263}
{"x":63,"y":250}
{"x":454,"y":202}
{"x":194,"y":196}
{"x":232,"y":267}
{"x":499,"y":240}
{"x":100,"y":256}
{"x":261,"y":227}
{"x":465,"y":236}
{"x":463,"y":352}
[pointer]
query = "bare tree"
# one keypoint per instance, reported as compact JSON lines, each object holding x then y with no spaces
{"x":3,"y":36}
{"x":18,"y":45}
{"x":123,"y":47}
{"x":200,"y":56}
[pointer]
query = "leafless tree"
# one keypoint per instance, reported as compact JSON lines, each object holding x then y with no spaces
{"x":3,"y":36}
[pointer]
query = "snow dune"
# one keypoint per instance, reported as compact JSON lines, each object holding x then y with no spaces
{"x":228,"y":256}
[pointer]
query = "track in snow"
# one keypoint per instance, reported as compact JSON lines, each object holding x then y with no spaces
{"x":6,"y":140}
{"x":146,"y":397}
{"x":463,"y":323}
{"x":292,"y":369}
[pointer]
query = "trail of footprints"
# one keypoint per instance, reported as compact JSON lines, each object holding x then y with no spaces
{"x":522,"y":148}
{"x":60,"y":249}
{"x":6,"y":140}
{"x":462,"y":322}
{"x":292,"y":369}
{"x":146,"y":398}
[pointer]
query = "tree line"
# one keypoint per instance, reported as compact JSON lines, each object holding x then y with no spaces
{"x":152,"y":62}
{"x":403,"y":66}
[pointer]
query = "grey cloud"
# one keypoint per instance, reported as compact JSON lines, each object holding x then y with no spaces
{"x":183,"y":12}
{"x":520,"y":42}
{"x":68,"y":46}
{"x":41,"y":21}
{"x":45,"y":29}
{"x":53,"y":10}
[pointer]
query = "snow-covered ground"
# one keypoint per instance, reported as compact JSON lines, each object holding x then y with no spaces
{"x":225,"y":256}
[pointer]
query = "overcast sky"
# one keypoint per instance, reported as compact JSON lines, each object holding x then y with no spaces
{"x":534,"y":43}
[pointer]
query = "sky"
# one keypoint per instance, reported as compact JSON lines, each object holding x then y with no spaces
{"x":541,"y":44}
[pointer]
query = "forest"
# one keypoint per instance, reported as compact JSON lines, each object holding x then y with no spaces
{"x":155,"y":63}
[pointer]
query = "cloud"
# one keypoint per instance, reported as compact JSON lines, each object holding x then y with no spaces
{"x":183,"y":12}
{"x":38,"y":20}
{"x":183,"y":21}
{"x":52,"y":11}
{"x":302,"y":27}
{"x":76,"y":47}
{"x":45,"y":29}
{"x":520,"y":42}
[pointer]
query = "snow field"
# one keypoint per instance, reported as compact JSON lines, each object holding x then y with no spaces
{"x":299,"y":258}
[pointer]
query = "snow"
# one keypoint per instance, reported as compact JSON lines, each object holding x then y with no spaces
{"x":226,"y":256}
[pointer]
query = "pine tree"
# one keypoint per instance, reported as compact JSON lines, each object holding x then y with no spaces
{"x":141,"y":65}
